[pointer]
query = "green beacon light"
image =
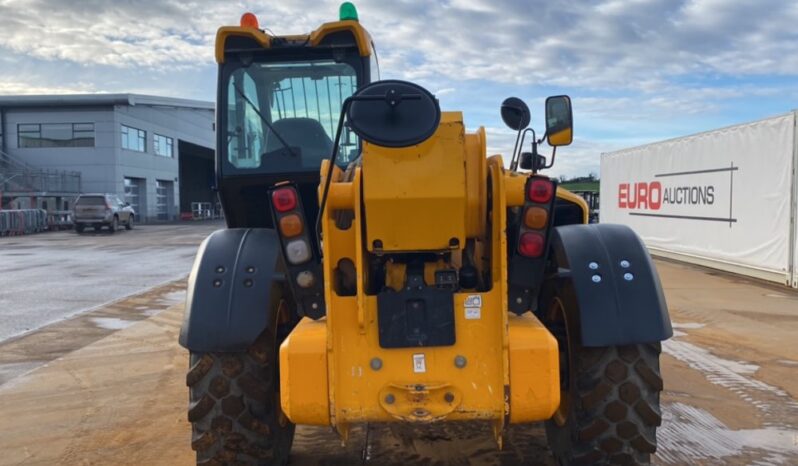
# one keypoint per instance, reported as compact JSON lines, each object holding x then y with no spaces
{"x":347,"y":12}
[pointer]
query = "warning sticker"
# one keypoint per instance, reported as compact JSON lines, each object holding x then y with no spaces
{"x":473,"y":300}
{"x":472,"y":313}
{"x":419,"y":363}
{"x":473,"y":306}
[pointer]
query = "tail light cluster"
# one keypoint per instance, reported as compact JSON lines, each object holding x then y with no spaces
{"x":291,"y":225}
{"x":534,"y":223}
{"x":527,"y":262}
{"x":304,"y":272}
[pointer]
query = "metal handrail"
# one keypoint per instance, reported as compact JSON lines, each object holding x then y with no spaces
{"x":37,"y":180}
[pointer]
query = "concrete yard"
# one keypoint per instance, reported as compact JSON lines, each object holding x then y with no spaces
{"x":95,"y":379}
{"x":47,"y":277}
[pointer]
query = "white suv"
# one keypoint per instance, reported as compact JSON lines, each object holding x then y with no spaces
{"x":100,"y":210}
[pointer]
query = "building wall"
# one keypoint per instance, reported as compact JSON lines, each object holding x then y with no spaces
{"x":97,"y":164}
{"x":195,"y":126}
{"x":105,"y":166}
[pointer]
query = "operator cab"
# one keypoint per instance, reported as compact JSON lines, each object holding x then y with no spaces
{"x":280,"y":99}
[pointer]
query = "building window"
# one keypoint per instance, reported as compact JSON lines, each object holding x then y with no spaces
{"x":163,"y":145}
{"x":134,"y":139}
{"x":55,"y":135}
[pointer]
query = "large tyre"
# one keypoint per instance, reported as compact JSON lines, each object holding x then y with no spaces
{"x":609,"y":409}
{"x":114,"y":225}
{"x":235,"y":406}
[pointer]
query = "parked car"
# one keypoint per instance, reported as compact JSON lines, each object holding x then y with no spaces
{"x":98,"y":210}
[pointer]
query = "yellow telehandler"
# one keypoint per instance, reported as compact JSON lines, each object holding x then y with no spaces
{"x":379,"y":267}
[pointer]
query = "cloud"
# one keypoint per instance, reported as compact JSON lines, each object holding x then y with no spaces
{"x":637,"y":69}
{"x":24,"y":87}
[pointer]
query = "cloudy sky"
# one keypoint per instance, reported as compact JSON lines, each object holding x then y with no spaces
{"x":637,"y":70}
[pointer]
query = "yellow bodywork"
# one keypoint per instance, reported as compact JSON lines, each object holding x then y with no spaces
{"x":561,"y":138}
{"x":303,"y":374}
{"x":431,"y":174}
{"x":501,"y":368}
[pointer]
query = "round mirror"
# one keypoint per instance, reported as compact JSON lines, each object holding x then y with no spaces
{"x":394,"y":113}
{"x":515,"y":113}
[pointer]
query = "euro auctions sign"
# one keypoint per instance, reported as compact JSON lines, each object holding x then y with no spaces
{"x":722,"y":197}
{"x":683,"y":195}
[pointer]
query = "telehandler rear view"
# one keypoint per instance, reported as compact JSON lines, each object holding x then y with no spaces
{"x":379,"y":267}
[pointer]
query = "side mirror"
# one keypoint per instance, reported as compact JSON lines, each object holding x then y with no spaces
{"x":559,"y":121}
{"x":127,"y":204}
{"x":394,"y":113}
{"x":515,"y":113}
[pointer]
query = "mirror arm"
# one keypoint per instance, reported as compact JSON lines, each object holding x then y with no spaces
{"x":515,"y":149}
{"x":520,"y":147}
{"x":553,"y":155}
{"x":327,"y":179}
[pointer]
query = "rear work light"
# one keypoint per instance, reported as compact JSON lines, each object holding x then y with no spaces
{"x":540,"y":190}
{"x":284,"y":199}
{"x":535,"y":218}
{"x":531,"y":244}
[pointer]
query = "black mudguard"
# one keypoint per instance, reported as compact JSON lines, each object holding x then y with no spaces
{"x":230,"y":289}
{"x":615,"y":308}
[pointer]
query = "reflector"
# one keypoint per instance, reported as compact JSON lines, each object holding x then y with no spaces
{"x":305,"y":279}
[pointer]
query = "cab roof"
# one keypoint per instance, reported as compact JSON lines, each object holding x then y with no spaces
{"x":315,"y":38}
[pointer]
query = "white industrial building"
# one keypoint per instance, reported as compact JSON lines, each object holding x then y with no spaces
{"x":155,"y":152}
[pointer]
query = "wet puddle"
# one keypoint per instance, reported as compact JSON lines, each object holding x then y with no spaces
{"x":21,"y":355}
{"x":690,"y":434}
{"x":112,"y":323}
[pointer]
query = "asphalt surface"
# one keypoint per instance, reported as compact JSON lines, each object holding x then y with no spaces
{"x":49,"y":276}
{"x":107,"y":386}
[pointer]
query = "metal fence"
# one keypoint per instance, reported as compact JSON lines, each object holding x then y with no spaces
{"x":22,"y":222}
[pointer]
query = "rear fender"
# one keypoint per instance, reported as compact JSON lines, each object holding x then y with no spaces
{"x":618,"y":293}
{"x":236,"y":275}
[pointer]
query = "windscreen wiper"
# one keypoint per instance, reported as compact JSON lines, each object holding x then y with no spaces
{"x":264,"y":120}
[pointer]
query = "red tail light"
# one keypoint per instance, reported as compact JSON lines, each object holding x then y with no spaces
{"x":284,"y":199}
{"x":540,"y":190}
{"x":531,"y":244}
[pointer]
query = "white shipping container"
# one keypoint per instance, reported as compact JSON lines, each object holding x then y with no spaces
{"x":725,"y":198}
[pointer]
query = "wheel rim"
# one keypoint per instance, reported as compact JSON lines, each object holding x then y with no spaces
{"x":559,"y":327}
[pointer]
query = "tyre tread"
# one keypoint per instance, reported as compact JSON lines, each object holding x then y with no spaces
{"x":229,"y":426}
{"x":617,"y":407}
